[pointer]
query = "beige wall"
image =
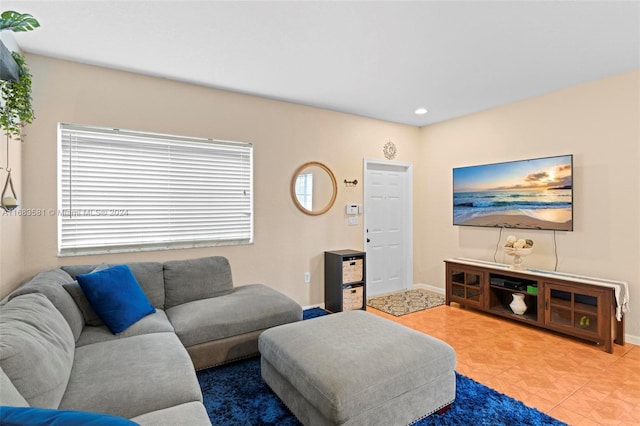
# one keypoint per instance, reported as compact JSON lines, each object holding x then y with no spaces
{"x":287,"y":242}
{"x":599,"y":124}
{"x":11,"y":241}
{"x":596,"y":122}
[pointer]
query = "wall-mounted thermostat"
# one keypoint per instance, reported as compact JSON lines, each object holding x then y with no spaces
{"x":352,"y":209}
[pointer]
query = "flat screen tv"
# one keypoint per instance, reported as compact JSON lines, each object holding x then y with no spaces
{"x":525,"y":194}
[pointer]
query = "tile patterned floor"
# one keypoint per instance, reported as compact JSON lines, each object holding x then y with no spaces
{"x":573,"y":381}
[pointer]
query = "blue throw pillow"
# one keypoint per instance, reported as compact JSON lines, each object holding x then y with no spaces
{"x":116,"y":296}
{"x":31,"y":416}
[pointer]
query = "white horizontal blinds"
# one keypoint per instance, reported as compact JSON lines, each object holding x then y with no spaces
{"x":131,"y":190}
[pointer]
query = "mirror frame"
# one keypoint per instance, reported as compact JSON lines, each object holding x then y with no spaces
{"x":292,"y":189}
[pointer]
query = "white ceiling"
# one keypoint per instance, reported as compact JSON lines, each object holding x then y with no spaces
{"x":378,"y":59}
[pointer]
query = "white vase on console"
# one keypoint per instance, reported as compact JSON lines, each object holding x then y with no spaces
{"x":517,"y":305}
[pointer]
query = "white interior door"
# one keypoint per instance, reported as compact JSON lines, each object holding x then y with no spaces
{"x":388,"y":226}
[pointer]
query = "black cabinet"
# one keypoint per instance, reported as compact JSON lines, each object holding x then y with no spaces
{"x":345,"y":280}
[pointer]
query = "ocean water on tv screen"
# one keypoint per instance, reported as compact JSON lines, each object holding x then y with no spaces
{"x":542,"y":204}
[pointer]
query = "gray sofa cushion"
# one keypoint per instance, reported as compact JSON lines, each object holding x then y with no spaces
{"x":9,"y":395}
{"x":90,"y":316}
{"x":36,"y":349}
{"x":148,"y":274}
{"x":249,"y":308}
{"x":132,"y":376}
{"x":188,"y":414}
{"x":195,"y":279}
{"x":154,"y":323}
{"x":50,"y":284}
{"x":73,"y":288}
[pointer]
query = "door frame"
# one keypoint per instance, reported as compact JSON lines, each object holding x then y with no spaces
{"x":407,"y":169}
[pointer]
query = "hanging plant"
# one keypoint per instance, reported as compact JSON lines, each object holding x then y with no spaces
{"x":16,"y":109}
{"x":14,"y":21}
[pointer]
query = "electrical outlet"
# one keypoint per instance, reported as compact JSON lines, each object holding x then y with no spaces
{"x":307,"y":277}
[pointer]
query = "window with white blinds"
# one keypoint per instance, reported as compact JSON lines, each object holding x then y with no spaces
{"x":127,"y":191}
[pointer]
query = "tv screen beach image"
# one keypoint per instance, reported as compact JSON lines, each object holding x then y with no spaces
{"x":527,"y":194}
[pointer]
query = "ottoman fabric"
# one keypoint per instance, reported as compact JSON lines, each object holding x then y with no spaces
{"x":349,"y":364}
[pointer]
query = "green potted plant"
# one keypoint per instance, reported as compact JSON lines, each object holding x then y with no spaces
{"x":16,"y":109}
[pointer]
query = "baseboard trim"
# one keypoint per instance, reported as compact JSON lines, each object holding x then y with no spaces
{"x":634,"y":340}
{"x":430,"y":287}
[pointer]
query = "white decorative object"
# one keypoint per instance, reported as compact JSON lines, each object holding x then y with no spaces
{"x":389,"y":150}
{"x":8,"y":198}
{"x":517,"y":248}
{"x":517,"y":305}
{"x":518,"y":254}
{"x":10,"y":201}
{"x":519,"y":244}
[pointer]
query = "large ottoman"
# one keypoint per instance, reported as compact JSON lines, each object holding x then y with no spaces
{"x":356,"y":368}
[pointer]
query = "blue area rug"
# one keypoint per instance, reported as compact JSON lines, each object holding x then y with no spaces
{"x":234,"y":394}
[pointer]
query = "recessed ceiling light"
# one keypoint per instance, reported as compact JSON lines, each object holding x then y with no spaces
{"x":421,"y":111}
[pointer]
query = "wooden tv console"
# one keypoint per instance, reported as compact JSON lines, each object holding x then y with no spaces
{"x":574,"y":305}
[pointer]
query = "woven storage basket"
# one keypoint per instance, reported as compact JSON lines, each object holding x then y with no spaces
{"x":352,"y":298}
{"x":351,"y":271}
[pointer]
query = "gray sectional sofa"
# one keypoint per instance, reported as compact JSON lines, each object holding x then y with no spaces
{"x":56,"y":354}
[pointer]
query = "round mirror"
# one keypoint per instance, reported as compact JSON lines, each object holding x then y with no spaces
{"x":313,"y":188}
